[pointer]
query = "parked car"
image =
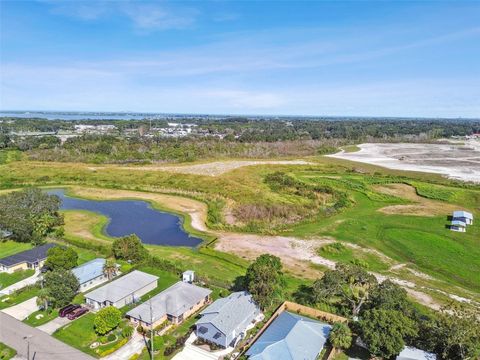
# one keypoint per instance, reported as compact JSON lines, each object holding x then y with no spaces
{"x":77,"y":313}
{"x":68,"y":309}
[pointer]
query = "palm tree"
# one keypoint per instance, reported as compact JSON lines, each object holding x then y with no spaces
{"x":43,"y":298}
{"x":110,"y":268}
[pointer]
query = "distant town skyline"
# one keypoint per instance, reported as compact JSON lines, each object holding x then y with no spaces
{"x":379,"y":59}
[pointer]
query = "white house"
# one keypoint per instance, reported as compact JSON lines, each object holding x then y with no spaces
{"x":122,"y":291}
{"x":464,"y":216}
{"x":90,"y":274}
{"x":225,"y":322}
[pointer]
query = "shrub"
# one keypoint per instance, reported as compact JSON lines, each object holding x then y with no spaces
{"x":111,"y":337}
{"x":140,"y":329}
{"x":127,"y":331}
{"x":107,"y":319}
{"x":359,"y":262}
{"x":113,"y":348}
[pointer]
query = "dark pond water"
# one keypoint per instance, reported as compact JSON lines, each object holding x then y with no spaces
{"x":134,"y":217}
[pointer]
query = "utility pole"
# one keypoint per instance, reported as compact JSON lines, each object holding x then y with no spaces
{"x":28,"y":345}
{"x":151,"y":328}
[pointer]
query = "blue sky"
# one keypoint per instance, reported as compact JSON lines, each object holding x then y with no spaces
{"x":360,"y":58}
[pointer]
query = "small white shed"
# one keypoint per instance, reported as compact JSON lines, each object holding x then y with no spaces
{"x":188,"y":276}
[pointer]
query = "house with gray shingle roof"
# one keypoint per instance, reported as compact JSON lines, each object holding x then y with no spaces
{"x":122,"y":291}
{"x":28,"y":259}
{"x":227,"y":319}
{"x":290,"y":337}
{"x":174,"y":304}
{"x":90,"y":274}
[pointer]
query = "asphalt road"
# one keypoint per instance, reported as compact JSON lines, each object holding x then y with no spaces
{"x":42,"y":345}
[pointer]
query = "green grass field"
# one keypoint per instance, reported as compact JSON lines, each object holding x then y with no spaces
{"x":10,"y":247}
{"x":9,"y":279}
{"x":422,"y":242}
{"x":6,"y":352}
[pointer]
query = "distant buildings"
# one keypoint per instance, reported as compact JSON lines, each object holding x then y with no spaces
{"x":94,"y":129}
{"x":460,"y":220}
{"x":123,"y":291}
{"x":29,"y":259}
{"x":225,"y":322}
{"x":174,"y":304}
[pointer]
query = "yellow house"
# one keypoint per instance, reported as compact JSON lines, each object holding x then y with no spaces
{"x":29,"y":259}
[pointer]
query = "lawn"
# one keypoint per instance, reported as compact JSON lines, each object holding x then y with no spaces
{"x":80,"y":334}
{"x":47,"y":316}
{"x":18,"y":296}
{"x":6,"y":352}
{"x":10,"y":247}
{"x":7,"y":279}
{"x":350,"y":256}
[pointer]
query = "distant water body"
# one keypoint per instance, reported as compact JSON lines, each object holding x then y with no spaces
{"x":78,"y":115}
{"x":133,"y":217}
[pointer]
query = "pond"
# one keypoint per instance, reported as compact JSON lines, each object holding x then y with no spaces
{"x":133,"y":217}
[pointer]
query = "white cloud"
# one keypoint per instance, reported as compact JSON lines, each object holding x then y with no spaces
{"x":145,"y":16}
{"x":153,"y":17}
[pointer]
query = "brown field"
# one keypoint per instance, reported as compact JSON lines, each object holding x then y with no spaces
{"x":422,"y":206}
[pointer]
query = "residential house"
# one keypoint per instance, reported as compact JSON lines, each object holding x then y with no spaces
{"x":90,"y":274}
{"x":458,"y":225}
{"x":225,"y":321}
{"x":174,"y":304}
{"x":28,"y":259}
{"x":463,"y":216}
{"x":290,"y":337}
{"x":411,"y":353}
{"x":122,"y":291}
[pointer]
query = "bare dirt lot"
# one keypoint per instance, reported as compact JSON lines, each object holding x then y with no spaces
{"x":461,"y":162}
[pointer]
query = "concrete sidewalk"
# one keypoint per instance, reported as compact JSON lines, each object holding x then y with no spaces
{"x":51,"y":326}
{"x":42,"y":345}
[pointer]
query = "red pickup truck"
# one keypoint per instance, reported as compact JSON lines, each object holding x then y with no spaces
{"x":77,"y":313}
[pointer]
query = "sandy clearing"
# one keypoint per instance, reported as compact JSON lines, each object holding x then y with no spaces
{"x":209,"y":169}
{"x":455,"y":161}
{"x":295,"y":253}
{"x":423,"y":206}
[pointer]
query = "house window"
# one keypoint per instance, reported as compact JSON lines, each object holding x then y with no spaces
{"x":202,"y":330}
{"x":217,"y":336}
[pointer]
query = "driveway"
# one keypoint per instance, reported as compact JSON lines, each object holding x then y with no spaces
{"x":21,"y":284}
{"x":192,"y":352}
{"x":22,"y":310}
{"x":42,"y":345}
{"x":51,"y":326}
{"x":134,"y":346}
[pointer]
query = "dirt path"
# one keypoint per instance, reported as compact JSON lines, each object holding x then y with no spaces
{"x":209,"y":169}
